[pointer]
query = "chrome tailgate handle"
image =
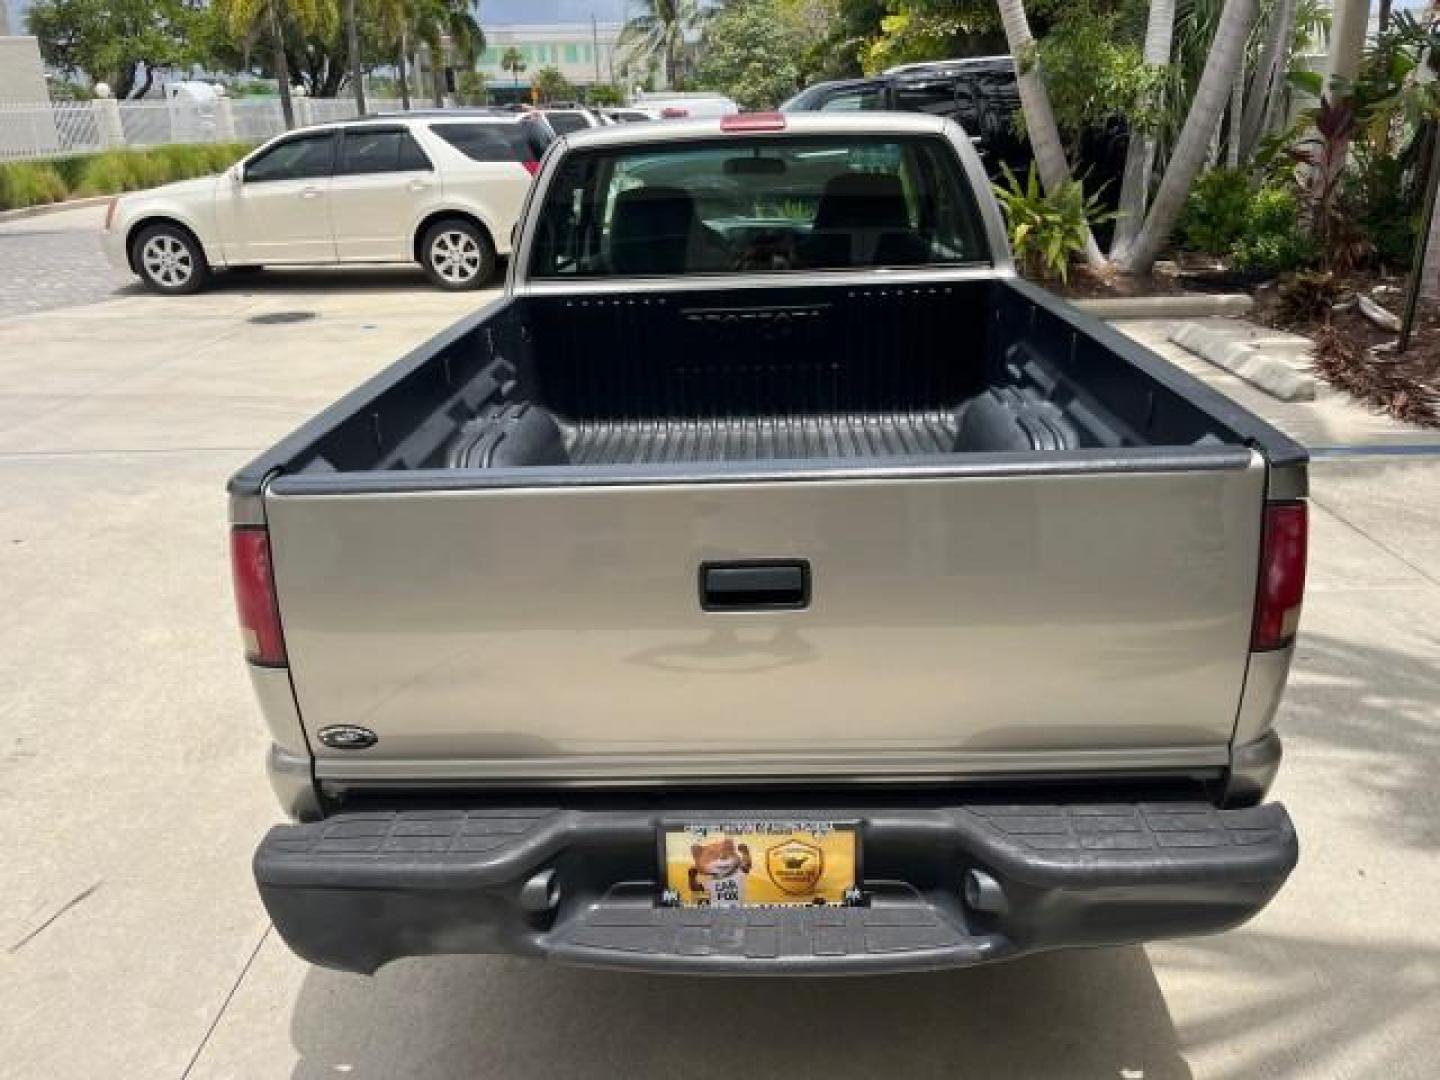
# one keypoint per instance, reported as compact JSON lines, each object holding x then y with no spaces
{"x":755,"y":585}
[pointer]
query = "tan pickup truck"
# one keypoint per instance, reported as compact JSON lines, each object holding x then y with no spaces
{"x":770,"y":582}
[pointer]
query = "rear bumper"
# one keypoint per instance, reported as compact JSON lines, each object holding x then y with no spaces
{"x":578,"y":885}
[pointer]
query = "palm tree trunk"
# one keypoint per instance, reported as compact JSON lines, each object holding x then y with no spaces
{"x":1039,"y":117}
{"x":1237,"y":104}
{"x":1140,"y":154}
{"x":1268,"y":85}
{"x":437,"y":75}
{"x":352,"y":43}
{"x":282,"y":65}
{"x":1347,"y":42}
{"x":1226,"y":53}
{"x":401,"y":66}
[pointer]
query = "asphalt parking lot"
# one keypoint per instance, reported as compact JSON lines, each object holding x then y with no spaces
{"x":132,"y":793}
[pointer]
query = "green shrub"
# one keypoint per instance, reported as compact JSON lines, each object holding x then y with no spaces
{"x":1047,"y":228}
{"x":104,"y":174}
{"x":1274,"y":239}
{"x":1214,"y":215}
{"x":1256,"y":230}
{"x":1383,"y":200}
{"x":29,"y":183}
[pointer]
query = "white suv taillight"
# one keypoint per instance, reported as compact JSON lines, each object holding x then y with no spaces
{"x":255,"y":595}
{"x":1282,"y":576}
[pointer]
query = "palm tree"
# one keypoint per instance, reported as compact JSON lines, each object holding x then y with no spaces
{"x":1140,"y":155}
{"x":1040,"y":123}
{"x":1227,"y":52}
{"x":251,"y":19}
{"x":513,"y":61}
{"x":352,"y":44}
{"x":437,"y":24}
{"x":1268,"y":86}
{"x":392,"y":18}
{"x":660,"y":31}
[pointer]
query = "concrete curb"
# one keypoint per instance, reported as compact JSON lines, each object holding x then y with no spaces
{"x":1275,"y":377}
{"x":54,"y":207}
{"x":1180,"y":306}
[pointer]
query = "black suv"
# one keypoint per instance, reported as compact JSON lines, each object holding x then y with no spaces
{"x":980,"y":93}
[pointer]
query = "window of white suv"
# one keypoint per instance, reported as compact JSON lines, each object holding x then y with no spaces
{"x":380,"y":150}
{"x":495,"y":142}
{"x":300,"y":157}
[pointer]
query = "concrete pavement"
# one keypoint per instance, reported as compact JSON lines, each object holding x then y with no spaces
{"x":131,"y":789}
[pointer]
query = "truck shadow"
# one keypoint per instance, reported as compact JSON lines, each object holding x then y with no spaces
{"x":1270,"y":1003}
{"x":1096,"y":1013}
{"x":1378,"y":706}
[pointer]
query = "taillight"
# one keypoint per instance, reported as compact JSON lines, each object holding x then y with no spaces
{"x":1282,"y":576}
{"x":532,"y":167}
{"x":255,"y":595}
{"x":755,"y":121}
{"x":673,"y":112}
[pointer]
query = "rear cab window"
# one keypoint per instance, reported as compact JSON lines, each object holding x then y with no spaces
{"x":758,"y":205}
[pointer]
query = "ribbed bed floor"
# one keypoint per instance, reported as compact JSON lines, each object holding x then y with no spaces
{"x":638,"y":442}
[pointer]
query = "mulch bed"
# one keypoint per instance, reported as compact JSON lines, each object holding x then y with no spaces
{"x":1346,"y":355}
{"x":1353,"y":354}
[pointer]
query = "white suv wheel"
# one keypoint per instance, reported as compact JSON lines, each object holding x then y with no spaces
{"x":457,"y":255}
{"x":170,"y":261}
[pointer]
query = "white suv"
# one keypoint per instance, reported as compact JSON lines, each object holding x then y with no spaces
{"x":439,"y":188}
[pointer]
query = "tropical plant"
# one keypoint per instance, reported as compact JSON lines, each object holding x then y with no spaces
{"x":471,"y":87}
{"x":604,"y":94}
{"x":1216,"y":211}
{"x":912,"y":30}
{"x":658,"y":33}
{"x":1047,"y":228}
{"x":751,"y":54}
{"x":1212,"y":95}
{"x":1044,"y":133}
{"x":392,"y":21}
{"x":249,"y":20}
{"x":1144,"y":139}
{"x":550,"y":84}
{"x":1274,"y":239}
{"x":1342,"y":246}
{"x":1308,"y":297}
{"x":513,"y":61}
{"x":433,"y":23}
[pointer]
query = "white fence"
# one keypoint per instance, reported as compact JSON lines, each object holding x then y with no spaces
{"x":79,"y":127}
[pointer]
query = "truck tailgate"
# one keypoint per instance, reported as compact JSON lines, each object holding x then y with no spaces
{"x":957,"y":624}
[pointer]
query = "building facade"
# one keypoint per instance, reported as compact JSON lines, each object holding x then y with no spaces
{"x":585,"y":53}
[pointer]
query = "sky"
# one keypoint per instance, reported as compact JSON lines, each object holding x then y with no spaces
{"x":548,"y":11}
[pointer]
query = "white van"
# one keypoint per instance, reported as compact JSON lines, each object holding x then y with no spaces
{"x":683,"y":106}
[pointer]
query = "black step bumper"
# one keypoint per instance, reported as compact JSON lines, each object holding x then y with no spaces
{"x":363,"y":888}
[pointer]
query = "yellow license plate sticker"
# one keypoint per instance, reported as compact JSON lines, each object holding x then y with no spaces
{"x":758,"y":864}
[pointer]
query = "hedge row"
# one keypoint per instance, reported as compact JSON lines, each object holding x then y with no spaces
{"x":30,"y":183}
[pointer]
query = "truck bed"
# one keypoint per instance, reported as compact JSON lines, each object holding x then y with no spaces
{"x":812,"y":374}
{"x":640,"y":442}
